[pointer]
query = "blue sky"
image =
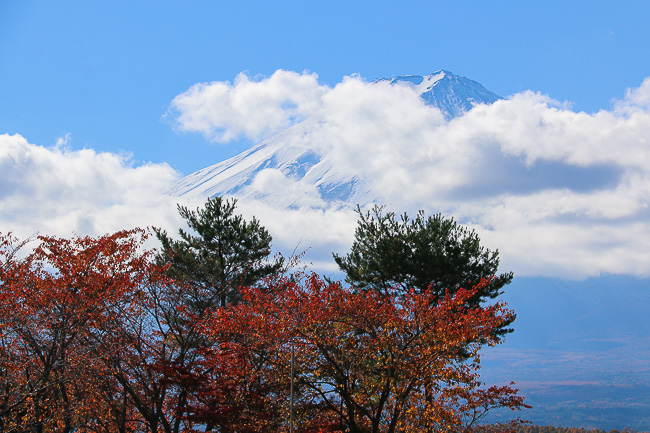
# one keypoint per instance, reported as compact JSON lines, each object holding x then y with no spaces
{"x":92,"y":134}
{"x":106,"y":72}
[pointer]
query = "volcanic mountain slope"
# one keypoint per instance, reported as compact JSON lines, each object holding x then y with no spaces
{"x":452,"y":94}
{"x":290,"y":159}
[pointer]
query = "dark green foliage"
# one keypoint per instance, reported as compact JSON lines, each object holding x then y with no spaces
{"x":434,"y":253}
{"x":402,"y":254}
{"x":224,"y":253}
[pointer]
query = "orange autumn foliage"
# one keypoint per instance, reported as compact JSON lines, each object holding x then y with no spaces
{"x":54,"y":302}
{"x":94,"y":337}
{"x":363,"y":360}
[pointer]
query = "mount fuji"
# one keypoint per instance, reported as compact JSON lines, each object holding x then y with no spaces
{"x":308,"y":173}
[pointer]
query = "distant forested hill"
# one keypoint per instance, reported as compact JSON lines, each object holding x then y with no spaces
{"x":551,"y":429}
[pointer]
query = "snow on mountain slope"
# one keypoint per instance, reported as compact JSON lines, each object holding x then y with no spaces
{"x":290,"y":170}
{"x":454,"y":95}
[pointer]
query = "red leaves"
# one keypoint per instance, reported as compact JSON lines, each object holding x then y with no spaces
{"x":54,"y":302}
{"x":93,"y":336}
{"x":365,"y":360}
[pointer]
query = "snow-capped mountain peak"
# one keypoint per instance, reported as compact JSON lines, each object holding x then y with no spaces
{"x":453,"y":94}
{"x":290,"y":170}
{"x":419,"y":83}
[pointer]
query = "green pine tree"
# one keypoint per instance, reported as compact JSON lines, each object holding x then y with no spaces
{"x":223,"y":253}
{"x":435,"y":253}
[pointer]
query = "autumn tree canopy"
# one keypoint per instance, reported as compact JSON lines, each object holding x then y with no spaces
{"x":55,"y":302}
{"x":363,"y":360}
{"x":100,"y":335}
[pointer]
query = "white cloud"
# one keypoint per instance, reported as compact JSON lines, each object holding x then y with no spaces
{"x":59,"y":191}
{"x":636,"y":100}
{"x":64,"y":141}
{"x":246,"y":108}
{"x":274,"y":186}
{"x":558,"y":192}
{"x":315,"y":232}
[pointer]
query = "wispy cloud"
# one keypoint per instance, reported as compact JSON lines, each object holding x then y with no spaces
{"x":64,"y":140}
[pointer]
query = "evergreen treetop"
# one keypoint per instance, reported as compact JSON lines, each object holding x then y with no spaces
{"x":435,"y":253}
{"x":223,"y":253}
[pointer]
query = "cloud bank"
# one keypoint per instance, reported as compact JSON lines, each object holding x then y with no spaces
{"x":559,"y":193}
{"x":58,"y":191}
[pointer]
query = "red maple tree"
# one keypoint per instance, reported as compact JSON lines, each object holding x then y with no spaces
{"x":54,"y":302}
{"x":364,"y":361}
